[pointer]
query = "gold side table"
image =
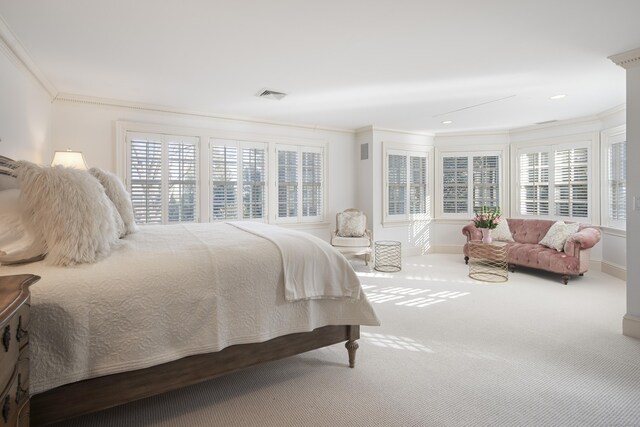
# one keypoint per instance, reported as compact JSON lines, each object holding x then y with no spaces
{"x":488,"y":261}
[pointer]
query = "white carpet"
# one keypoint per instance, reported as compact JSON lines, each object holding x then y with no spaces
{"x":451,"y":352}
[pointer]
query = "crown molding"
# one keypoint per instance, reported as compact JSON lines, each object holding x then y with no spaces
{"x":611,"y":111}
{"x":626,"y":60}
{"x":559,"y":123}
{"x":405,"y":132}
{"x":108,"y":102}
{"x":471,"y":133}
{"x":11,"y":46}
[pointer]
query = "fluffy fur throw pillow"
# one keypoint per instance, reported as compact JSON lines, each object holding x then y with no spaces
{"x":118,"y":194}
{"x":351,"y":224}
{"x":70,"y":210}
{"x":502,"y":232}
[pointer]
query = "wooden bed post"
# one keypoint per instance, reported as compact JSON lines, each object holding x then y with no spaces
{"x":352,"y":335}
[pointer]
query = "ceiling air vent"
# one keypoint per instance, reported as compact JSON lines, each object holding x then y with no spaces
{"x":271,"y":94}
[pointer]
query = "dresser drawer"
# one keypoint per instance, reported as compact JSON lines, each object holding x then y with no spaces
{"x":8,"y":405}
{"x":13,"y":336}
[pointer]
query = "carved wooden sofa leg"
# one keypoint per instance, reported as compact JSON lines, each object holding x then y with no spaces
{"x":581,"y":274}
{"x":565,"y":279}
{"x":512,"y":268}
{"x":466,"y":260}
{"x":352,"y":346}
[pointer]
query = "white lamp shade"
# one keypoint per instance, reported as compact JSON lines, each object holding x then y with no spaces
{"x":70,"y":159}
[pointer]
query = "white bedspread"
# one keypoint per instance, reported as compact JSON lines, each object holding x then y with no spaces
{"x":312,"y":268}
{"x":164,"y":293}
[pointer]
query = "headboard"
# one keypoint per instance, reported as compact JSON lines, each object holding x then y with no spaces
{"x":7,"y":177}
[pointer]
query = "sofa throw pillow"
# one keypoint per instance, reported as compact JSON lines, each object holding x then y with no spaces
{"x":502,"y":232}
{"x":69,"y":209}
{"x":17,"y":245}
{"x":119,"y":196}
{"x":351,"y":224}
{"x":558,"y":235}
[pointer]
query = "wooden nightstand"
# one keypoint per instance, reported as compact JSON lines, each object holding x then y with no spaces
{"x":14,"y":349}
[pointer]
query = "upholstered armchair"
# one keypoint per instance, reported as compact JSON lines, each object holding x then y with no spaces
{"x":351,"y":236}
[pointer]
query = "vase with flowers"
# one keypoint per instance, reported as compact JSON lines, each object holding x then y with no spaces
{"x":486,"y":219}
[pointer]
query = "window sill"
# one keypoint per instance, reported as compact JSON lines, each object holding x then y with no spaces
{"x":610,"y":231}
{"x":404,"y":223}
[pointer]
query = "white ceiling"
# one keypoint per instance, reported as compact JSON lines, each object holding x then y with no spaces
{"x":397,"y":64}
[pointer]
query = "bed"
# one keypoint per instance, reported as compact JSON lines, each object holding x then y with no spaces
{"x":176,"y":305}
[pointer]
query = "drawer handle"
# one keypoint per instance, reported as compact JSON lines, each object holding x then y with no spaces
{"x":5,"y":409}
{"x":6,"y":338}
{"x":21,"y":392}
{"x":20,"y":333}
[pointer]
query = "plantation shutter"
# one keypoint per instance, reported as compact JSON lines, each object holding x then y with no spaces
{"x":418,"y":182}
{"x":145,"y":181}
{"x":311,"y":183}
{"x":534,"y":183}
{"x":486,"y":181}
{"x":455,"y":188}
{"x":182,"y":182}
{"x":287,"y":183}
{"x":254,"y":180}
{"x":571,"y":182}
{"x":163,"y":178}
{"x":224,"y":182}
{"x":397,"y":184}
{"x":618,"y":181}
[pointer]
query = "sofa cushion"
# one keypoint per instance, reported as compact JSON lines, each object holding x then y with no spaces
{"x":558,"y":234}
{"x":350,"y":241}
{"x":541,"y":257}
{"x":502,"y":233}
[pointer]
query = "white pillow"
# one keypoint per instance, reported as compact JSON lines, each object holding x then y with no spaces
{"x":502,"y":232}
{"x":119,"y":196}
{"x":70,"y":210}
{"x":351,"y":224}
{"x":558,"y":235}
{"x":16,"y":244}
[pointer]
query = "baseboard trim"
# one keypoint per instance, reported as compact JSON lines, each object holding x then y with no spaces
{"x":614,"y":270}
{"x":631,"y":326}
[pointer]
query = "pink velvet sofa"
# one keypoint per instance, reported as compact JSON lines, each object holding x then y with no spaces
{"x":525,"y":250}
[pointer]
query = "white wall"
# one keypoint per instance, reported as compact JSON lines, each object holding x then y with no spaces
{"x":415,"y":237}
{"x":90,"y":128}
{"x":25,"y":113}
{"x":632,"y":320}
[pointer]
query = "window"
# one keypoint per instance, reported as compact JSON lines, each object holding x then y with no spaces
{"x":300,"y":183}
{"x":470,"y":182}
{"x":554,"y":180}
{"x":406,"y":182}
{"x":162,"y":177}
{"x":614,"y":173}
{"x":210,"y":177}
{"x":238,"y":180}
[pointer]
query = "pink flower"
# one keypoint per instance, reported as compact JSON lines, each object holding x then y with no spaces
{"x":496,"y":220}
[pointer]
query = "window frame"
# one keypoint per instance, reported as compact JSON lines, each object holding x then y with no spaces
{"x":500,"y":150}
{"x":588,"y":140}
{"x":408,"y":150}
{"x":204,"y":154}
{"x":609,"y":137}
{"x":165,"y":140}
{"x":239,"y":145}
{"x":300,"y":148}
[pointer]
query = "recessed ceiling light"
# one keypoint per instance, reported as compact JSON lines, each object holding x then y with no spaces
{"x":447,"y":122}
{"x":559,"y":96}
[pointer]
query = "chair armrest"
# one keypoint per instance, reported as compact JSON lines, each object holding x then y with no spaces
{"x":583,"y":239}
{"x":471,"y":232}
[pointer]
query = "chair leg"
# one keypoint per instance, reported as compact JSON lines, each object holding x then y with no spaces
{"x":466,"y":260}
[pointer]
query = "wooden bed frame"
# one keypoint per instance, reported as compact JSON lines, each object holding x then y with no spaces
{"x":83,"y":397}
{"x":95,"y":394}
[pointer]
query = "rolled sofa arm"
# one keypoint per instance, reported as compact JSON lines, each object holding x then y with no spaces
{"x":471,"y":232}
{"x":583,"y":239}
